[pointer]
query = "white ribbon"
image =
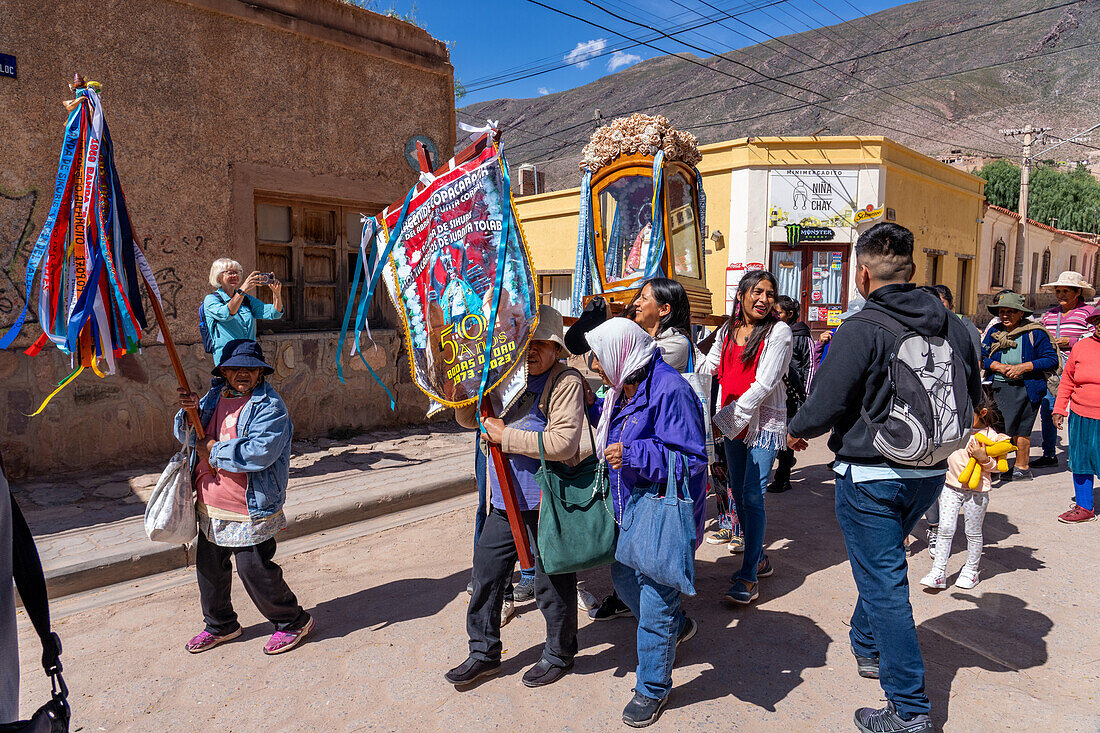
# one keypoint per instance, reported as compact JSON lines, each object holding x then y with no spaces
{"x":476,"y":132}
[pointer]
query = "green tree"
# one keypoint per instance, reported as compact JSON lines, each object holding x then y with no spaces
{"x":1067,"y":199}
{"x":1002,"y":184}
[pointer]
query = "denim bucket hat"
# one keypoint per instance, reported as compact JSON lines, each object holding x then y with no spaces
{"x":242,"y":353}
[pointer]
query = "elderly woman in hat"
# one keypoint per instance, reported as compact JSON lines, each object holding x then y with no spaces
{"x":553,"y":405}
{"x":1019,"y":354}
{"x":241,"y":472}
{"x":1079,"y":398}
{"x":1067,"y":323}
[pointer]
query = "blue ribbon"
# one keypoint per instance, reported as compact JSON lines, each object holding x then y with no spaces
{"x":64,"y":171}
{"x":498,"y":285}
{"x":584,"y":269}
{"x":376,"y":274}
{"x":656,"y":247}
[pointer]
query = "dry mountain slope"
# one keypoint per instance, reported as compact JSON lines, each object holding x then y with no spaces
{"x":916,"y":73}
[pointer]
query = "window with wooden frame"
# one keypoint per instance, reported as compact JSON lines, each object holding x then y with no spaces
{"x":1045,"y":277}
{"x":313,"y":248}
{"x":997,"y":267}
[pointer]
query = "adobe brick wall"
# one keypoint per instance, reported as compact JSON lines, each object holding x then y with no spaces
{"x":209,"y":102}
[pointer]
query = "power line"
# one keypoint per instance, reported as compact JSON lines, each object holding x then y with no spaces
{"x":841,"y":97}
{"x":839,"y":75}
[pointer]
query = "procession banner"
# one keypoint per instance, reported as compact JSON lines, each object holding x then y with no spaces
{"x":460,"y":275}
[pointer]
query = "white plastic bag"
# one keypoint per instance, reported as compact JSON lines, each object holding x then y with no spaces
{"x":170,"y":514}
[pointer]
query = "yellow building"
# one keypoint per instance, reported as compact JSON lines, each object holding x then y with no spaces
{"x":833,"y":188}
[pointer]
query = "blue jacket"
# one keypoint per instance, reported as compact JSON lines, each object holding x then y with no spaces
{"x":665,"y":413}
{"x":225,"y":326}
{"x":262,"y":449}
{"x":1037,"y":349}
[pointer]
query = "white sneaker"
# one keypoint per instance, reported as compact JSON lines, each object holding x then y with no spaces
{"x":585,"y":600}
{"x":967,"y":579}
{"x":934,"y":579}
{"x":507,"y":611}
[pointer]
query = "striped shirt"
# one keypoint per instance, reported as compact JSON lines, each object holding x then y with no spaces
{"x":1073,"y":325}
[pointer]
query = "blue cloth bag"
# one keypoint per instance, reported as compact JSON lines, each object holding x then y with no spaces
{"x":657,"y":535}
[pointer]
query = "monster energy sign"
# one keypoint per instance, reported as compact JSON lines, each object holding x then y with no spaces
{"x":797,"y":233}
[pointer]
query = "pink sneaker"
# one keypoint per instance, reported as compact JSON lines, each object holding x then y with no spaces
{"x":284,"y":641}
{"x":205,"y":640}
{"x":1076,"y":515}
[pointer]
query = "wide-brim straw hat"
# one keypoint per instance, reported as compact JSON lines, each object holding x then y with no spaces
{"x":1071,"y":279}
{"x":1010,"y":300}
{"x":551,"y":326}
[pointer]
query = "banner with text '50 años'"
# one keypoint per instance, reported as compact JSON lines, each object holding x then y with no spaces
{"x":459,"y":273}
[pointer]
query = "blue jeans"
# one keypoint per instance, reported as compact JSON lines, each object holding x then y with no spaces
{"x":1050,"y":433}
{"x":748,"y":477}
{"x":657,"y":608}
{"x":876,"y":517}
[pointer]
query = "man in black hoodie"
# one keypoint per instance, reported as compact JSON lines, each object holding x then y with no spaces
{"x":797,"y":382}
{"x":879,"y":502}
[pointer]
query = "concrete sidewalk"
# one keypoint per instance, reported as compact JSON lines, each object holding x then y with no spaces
{"x":90,"y":530}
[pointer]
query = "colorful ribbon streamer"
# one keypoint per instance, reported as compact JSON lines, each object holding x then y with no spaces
{"x":89,"y":297}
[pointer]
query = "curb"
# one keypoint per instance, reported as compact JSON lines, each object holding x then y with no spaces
{"x":151,"y":558}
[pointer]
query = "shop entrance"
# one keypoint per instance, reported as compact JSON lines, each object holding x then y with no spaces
{"x":816,"y":275}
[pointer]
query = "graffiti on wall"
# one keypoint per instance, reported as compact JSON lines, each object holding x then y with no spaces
{"x":16,"y":227}
{"x":185,"y":244}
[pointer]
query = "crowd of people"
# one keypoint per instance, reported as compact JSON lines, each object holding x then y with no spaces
{"x":662,"y":413}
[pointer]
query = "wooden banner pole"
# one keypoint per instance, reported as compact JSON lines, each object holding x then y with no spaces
{"x":173,"y":356}
{"x":508,"y":492}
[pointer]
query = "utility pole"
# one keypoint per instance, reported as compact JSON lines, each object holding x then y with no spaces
{"x":1029,"y":134}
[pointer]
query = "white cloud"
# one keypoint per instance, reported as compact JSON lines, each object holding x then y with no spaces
{"x":619,"y":60}
{"x":543,"y":91}
{"x":585,"y":50}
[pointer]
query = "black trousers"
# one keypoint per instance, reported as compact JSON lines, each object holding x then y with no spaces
{"x":556,"y":595}
{"x":262,"y":580}
{"x":784,"y":463}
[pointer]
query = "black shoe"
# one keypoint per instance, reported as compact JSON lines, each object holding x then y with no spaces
{"x":778,"y":487}
{"x":1022,"y":474}
{"x":867,"y":667}
{"x":741,"y":593}
{"x":886,"y":720}
{"x":524,"y":591}
{"x":611,"y":608}
{"x":642,"y":711}
{"x":688,"y":631}
{"x":1045,"y":462}
{"x":471,"y":671}
{"x":544,"y":673}
{"x":764,"y":569}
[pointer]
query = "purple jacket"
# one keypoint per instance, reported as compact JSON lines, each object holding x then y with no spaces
{"x":664,"y":414}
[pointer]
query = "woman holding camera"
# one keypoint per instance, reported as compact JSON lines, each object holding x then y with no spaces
{"x":230,"y":312}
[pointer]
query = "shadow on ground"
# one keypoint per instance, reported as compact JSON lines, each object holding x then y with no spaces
{"x":999,"y":634}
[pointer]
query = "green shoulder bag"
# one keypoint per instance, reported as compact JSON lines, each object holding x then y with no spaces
{"x":577,"y":528}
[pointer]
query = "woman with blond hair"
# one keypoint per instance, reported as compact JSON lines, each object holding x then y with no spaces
{"x":230,"y":312}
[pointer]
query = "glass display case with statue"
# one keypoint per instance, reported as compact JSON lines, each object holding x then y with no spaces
{"x":642,"y":213}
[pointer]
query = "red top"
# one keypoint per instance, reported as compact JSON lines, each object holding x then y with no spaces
{"x":735,"y":377}
{"x":1079,"y":390}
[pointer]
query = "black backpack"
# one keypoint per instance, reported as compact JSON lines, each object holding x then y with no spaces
{"x":931,"y":414}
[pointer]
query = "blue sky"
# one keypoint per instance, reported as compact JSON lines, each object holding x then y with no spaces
{"x":494,"y":37}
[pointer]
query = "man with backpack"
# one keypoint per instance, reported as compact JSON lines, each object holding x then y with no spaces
{"x":898,"y":391}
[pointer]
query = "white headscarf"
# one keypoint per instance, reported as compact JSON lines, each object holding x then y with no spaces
{"x":622,"y":347}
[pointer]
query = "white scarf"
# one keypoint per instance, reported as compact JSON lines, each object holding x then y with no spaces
{"x":622,"y":347}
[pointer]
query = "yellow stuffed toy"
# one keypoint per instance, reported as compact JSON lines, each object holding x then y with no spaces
{"x":972,"y":475}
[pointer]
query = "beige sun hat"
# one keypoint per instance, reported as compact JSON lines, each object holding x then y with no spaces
{"x":551,"y":326}
{"x":1071,"y":279}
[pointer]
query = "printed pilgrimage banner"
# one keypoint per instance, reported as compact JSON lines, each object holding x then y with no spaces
{"x":457,"y":241}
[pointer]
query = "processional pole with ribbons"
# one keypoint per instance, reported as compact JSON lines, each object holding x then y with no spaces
{"x":86,"y":265}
